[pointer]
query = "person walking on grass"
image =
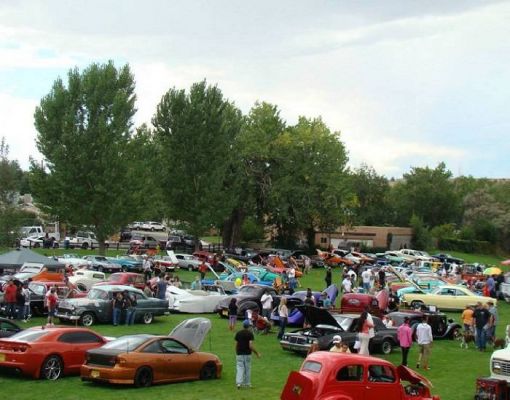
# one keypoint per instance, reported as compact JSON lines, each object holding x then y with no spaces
{"x":52,"y":306}
{"x":232,"y":314}
{"x":244,"y":348}
{"x":364,"y":326}
{"x":283,"y":313}
{"x":405,"y":339}
{"x":424,"y":339}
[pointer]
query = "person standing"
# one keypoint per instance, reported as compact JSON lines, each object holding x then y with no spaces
{"x":405,"y":339}
{"x":117,"y":306}
{"x":147,"y":269}
{"x":493,"y":321}
{"x":26,"y":306}
{"x":283,"y":313}
{"x":364,"y":326}
{"x":10,"y":299}
{"x":202,"y":269}
{"x":491,"y":285}
{"x":232,"y":314}
{"x":467,"y":318}
{"x":424,"y":339}
{"x":291,"y":274}
{"x":267,"y":304}
{"x":347,"y":284}
{"x":337,"y":345}
{"x":481,"y":319}
{"x":328,"y":277}
{"x":382,"y":278}
{"x":366,"y":276}
{"x":52,"y":306}
{"x":307,"y":264}
{"x":161,"y":286}
{"x":244,"y":348}
{"x":196,"y":284}
{"x":129,"y":305}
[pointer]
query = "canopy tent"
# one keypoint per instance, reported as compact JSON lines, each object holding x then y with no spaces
{"x":16,"y":258}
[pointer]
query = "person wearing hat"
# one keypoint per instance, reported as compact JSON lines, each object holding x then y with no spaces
{"x":338,"y":346}
{"x":405,"y":339}
{"x":244,"y":348}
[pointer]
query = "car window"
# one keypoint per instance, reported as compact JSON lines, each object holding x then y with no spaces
{"x":79,"y":273}
{"x":172,"y":346}
{"x":139,"y":279}
{"x":79,"y":337}
{"x":459,"y":292}
{"x":380,"y":373}
{"x":97,"y":294}
{"x":7,"y":326}
{"x":350,"y":373}
{"x":311,"y":366}
{"x":28,"y":336}
{"x":37,"y":289}
{"x":127,"y":343}
{"x":98,"y":276}
{"x":154,"y":347}
{"x":138,"y":296}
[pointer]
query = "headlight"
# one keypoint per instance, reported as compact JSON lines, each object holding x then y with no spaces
{"x":496,"y":366}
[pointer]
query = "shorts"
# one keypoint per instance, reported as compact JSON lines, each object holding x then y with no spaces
{"x":52,"y":312}
{"x":232,"y":319}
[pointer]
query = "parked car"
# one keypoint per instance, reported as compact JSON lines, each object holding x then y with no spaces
{"x":97,"y":306}
{"x":39,"y":289}
{"x":315,"y":260}
{"x":148,"y":242}
{"x":48,"y":352}
{"x":85,"y":278}
{"x":167,"y":263}
{"x":102,"y":264}
{"x":357,"y":302}
{"x":442,"y":326}
{"x":143,"y":360}
{"x":74,"y":261}
{"x":127,"y":263}
{"x":124,"y":278}
{"x":248,"y":298}
{"x":188,"y":261}
{"x":125,"y":235}
{"x":32,"y":241}
{"x":8,"y":328}
{"x":153,"y":226}
{"x":195,"y":301}
{"x":83,"y":239}
{"x":325,"y":325}
{"x":328,"y":375}
{"x":448,"y":258}
{"x":448,"y":297}
{"x":135,"y":225}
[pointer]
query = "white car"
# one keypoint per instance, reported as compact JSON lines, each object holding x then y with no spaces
{"x":85,"y":240}
{"x":32,"y":241}
{"x":85,"y":278}
{"x":189,"y":262}
{"x":418,"y":255}
{"x":194,"y":301}
{"x":153,"y":226}
{"x":74,"y":261}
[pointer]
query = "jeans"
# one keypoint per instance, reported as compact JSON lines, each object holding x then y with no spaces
{"x":11,"y":310}
{"x":366,"y":287}
{"x":130,"y":316}
{"x":266,"y":312}
{"x":405,"y":352}
{"x":26,"y":311}
{"x":243,"y":370}
{"x":481,"y":338}
{"x":283,"y":324}
{"x":116,"y":315}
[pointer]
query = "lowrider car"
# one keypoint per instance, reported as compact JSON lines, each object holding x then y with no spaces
{"x":325,"y":325}
{"x":102,"y":264}
{"x":85,"y":278}
{"x":327,"y":375}
{"x":97,"y":306}
{"x":48,"y":352}
{"x":143,"y":360}
{"x":448,"y":297}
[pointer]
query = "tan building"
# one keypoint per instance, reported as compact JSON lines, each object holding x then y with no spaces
{"x":391,"y":237}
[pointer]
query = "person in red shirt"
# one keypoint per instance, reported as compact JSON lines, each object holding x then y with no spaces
{"x":52,"y":305}
{"x":10,"y":299}
{"x":202,"y":269}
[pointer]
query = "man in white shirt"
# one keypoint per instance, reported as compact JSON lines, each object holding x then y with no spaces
{"x":347,"y":284}
{"x":267,"y":305}
{"x":366,"y":276}
{"x":424,"y":339}
{"x":291,"y":274}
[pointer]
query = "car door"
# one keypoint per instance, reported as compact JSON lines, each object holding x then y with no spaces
{"x":349,"y":380}
{"x":381,"y":382}
{"x":183,"y":364}
{"x":74,"y":345}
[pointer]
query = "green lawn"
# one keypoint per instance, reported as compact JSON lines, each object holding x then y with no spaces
{"x":453,"y":370}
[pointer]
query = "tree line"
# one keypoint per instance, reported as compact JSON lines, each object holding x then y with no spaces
{"x":207,"y":166}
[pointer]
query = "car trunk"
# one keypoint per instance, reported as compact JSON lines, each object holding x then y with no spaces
{"x":298,"y":386}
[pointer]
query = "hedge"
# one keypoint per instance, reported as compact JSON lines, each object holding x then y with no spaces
{"x":466,"y":246}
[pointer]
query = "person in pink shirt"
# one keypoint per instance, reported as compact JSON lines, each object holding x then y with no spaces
{"x":405,"y":339}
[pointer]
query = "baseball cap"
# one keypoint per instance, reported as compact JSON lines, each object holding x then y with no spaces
{"x":337,"y":339}
{"x":246,"y":323}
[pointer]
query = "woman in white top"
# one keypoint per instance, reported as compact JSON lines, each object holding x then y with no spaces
{"x":283,"y":312}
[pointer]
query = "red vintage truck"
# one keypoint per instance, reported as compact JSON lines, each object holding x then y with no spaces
{"x":327,"y":375}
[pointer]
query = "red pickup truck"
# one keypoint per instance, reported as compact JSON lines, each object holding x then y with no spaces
{"x":327,"y":375}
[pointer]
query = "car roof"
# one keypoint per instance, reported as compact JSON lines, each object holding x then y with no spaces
{"x":114,"y":288}
{"x":332,"y":358}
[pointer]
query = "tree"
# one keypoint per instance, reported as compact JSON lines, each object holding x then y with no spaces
{"x":195,"y":134}
{"x":84,"y":129}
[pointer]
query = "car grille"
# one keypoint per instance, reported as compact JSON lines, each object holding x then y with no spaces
{"x":504,"y":367}
{"x":101,"y":359}
{"x":296,"y":339}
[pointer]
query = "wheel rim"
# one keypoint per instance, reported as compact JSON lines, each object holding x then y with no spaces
{"x":52,"y":368}
{"x":87,"y":320}
{"x":144,"y":378}
{"x":386,"y":347}
{"x":147,"y":318}
{"x":208,"y":372}
{"x":190,"y":268}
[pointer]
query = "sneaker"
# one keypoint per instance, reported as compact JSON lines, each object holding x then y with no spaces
{"x":239,"y":386}
{"x":426,"y":368}
{"x":25,"y":321}
{"x":418,"y":366}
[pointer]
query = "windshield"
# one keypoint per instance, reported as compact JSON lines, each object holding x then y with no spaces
{"x":97,"y":294}
{"x":30,"y":269}
{"x":344,"y":322}
{"x":248,"y":290}
{"x":128,"y":343}
{"x":101,"y":258}
{"x":27,"y":336}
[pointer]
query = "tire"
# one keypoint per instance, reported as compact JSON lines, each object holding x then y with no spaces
{"x":147,"y":318}
{"x":417,"y":304}
{"x":386,"y":346}
{"x":85,"y":246}
{"x":36,"y":245}
{"x":190,"y":268}
{"x":52,"y":368}
{"x":143,"y":377}
{"x":208,"y":371}
{"x":100,"y":269}
{"x":456,"y":334}
{"x":87,"y":319}
{"x":124,"y":268}
{"x":152,"y":229}
{"x":248,"y":305}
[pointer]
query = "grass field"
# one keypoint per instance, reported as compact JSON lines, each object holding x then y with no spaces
{"x":453,"y":370}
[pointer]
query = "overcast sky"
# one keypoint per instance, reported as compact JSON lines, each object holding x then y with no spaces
{"x":407,"y":83}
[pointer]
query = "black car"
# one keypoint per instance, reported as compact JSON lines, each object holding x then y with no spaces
{"x":448,"y":258}
{"x":248,"y":298}
{"x":442,"y":327}
{"x":325,"y":325}
{"x":8,"y":328}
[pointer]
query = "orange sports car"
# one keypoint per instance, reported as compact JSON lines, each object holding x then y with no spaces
{"x":142,"y":360}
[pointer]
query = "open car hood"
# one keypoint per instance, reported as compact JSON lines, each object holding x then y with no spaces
{"x":317,"y":316}
{"x":407,"y":374}
{"x":192,"y":332}
{"x":382,"y":298}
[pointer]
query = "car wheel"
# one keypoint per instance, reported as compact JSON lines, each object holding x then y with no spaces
{"x":124,"y":268}
{"x":386,"y":347}
{"x":87,"y":319}
{"x":248,"y":305}
{"x":143,"y":377}
{"x":36,"y":245}
{"x":208,"y":371}
{"x":52,"y":368}
{"x":417,"y":304}
{"x":100,"y":269}
{"x":147,"y":318}
{"x":85,"y":246}
{"x":152,"y":229}
{"x":190,"y":268}
{"x":456,"y":334}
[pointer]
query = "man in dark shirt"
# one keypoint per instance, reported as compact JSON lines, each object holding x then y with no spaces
{"x":244,"y":347}
{"x":481,"y":318}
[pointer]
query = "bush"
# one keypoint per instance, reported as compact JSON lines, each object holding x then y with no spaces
{"x":466,"y":246}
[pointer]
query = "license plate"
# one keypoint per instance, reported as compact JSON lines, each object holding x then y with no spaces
{"x":94,"y":374}
{"x":225,"y":313}
{"x":2,"y":357}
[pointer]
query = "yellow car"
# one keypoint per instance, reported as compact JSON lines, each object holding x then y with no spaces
{"x":449,"y":297}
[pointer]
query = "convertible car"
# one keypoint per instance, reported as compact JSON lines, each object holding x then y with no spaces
{"x":448,"y":297}
{"x":142,"y":360}
{"x":195,"y":301}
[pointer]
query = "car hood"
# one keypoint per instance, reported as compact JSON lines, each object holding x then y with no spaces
{"x":192,"y":332}
{"x":77,"y":302}
{"x":173,"y":258}
{"x":409,"y":375}
{"x":317,"y":316}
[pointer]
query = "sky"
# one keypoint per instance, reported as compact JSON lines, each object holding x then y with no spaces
{"x":406,"y":83}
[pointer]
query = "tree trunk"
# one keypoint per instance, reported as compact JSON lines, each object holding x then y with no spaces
{"x":102,"y":247}
{"x":231,"y":234}
{"x":310,"y":238}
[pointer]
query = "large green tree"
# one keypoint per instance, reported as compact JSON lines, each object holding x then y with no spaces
{"x":84,"y":129}
{"x":195,"y":133}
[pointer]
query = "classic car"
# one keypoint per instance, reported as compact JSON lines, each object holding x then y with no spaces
{"x":97,"y":306}
{"x":48,"y":352}
{"x":357,"y":302}
{"x":325,"y":325}
{"x":442,"y":326}
{"x":167,"y":263}
{"x":85,"y":278}
{"x":143,"y":360}
{"x":32,"y":241}
{"x":296,"y":317}
{"x":74,"y":261}
{"x":334,"y":259}
{"x":40,"y":289}
{"x":127,"y":263}
{"x":8,"y":328}
{"x":315,"y":260}
{"x":448,"y":297}
{"x":148,"y":242}
{"x":472,"y":271}
{"x":125,"y":278}
{"x":188,"y":261}
{"x":447,"y":258}
{"x":36,"y":271}
{"x":248,"y":298}
{"x":327,"y":375}
{"x":195,"y":301}
{"x":102,"y":264}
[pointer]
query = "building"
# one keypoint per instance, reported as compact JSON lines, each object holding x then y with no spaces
{"x":390,"y":237}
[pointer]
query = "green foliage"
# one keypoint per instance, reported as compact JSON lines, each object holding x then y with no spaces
{"x":11,"y":175}
{"x":84,"y":129}
{"x":421,"y":235}
{"x":443,"y":231}
{"x":466,"y":245}
{"x":252,"y":230}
